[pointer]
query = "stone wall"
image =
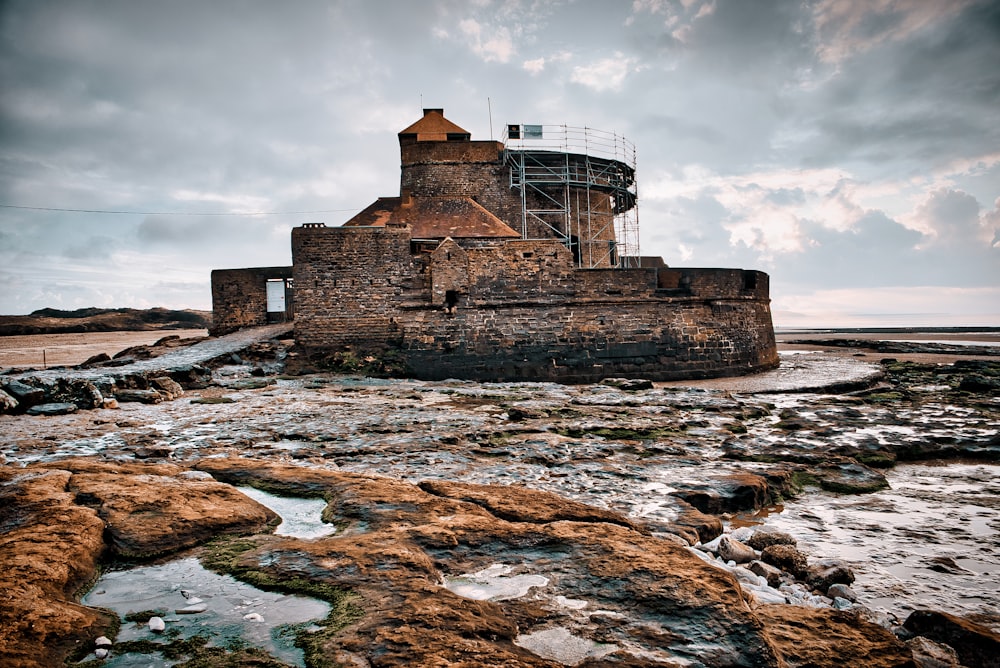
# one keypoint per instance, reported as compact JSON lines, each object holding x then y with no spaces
{"x":521,"y":311}
{"x":350,"y":283}
{"x":587,"y":341}
{"x":239,"y":297}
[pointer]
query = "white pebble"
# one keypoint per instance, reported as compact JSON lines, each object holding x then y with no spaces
{"x":103,"y":641}
{"x":156,"y":624}
{"x":253,"y":617}
{"x":192,"y":609}
{"x":101,"y":653}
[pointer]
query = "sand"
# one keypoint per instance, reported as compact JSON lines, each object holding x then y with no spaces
{"x":47,"y":350}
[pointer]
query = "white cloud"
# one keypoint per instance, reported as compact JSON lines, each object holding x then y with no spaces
{"x":605,"y":74}
{"x":807,"y":139}
{"x":535,"y":66}
{"x":492,"y":44}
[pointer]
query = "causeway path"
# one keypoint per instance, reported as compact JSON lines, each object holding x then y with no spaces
{"x":199,"y":353}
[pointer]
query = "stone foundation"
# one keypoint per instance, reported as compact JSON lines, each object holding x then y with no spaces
{"x":520,"y":311}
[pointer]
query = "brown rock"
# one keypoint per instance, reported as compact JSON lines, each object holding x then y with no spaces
{"x":387,"y":561}
{"x":930,"y":654}
{"x":149,"y":510}
{"x":49,"y":550}
{"x":727,"y":494}
{"x":7,"y":402}
{"x":694,"y":525}
{"x":763,"y":538}
{"x":826,"y":638}
{"x":168,"y":387}
{"x":824,"y":573}
{"x":976,"y":646}
{"x":141,"y":396}
{"x":850,"y":478}
{"x":787,"y":558}
{"x":520,"y":504}
{"x":93,"y":360}
{"x":733,"y":550}
{"x":768,"y":571}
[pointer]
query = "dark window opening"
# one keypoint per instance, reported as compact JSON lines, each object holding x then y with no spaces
{"x":574,"y":245}
{"x":749,"y":280}
{"x":450,"y":300}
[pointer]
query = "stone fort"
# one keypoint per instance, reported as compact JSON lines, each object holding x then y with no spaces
{"x":506,"y":260}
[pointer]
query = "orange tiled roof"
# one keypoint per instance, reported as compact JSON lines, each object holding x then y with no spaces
{"x":434,"y":127}
{"x":435,"y":218}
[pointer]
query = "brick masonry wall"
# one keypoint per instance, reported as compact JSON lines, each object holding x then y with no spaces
{"x":584,"y":342}
{"x":350,"y":283}
{"x":520,"y":311}
{"x":476,"y":170}
{"x":239,"y":297}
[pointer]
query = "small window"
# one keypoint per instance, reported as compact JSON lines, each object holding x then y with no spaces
{"x":749,"y":280}
{"x":532,"y":131}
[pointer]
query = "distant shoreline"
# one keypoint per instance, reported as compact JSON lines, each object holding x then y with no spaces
{"x":93,"y":320}
{"x":889,"y":330}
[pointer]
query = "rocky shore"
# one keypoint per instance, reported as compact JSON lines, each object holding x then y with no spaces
{"x":487,"y":524}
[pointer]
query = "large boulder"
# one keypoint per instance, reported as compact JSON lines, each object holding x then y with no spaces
{"x":152,"y":509}
{"x":726,"y":494}
{"x":825,"y":637}
{"x":26,"y":395}
{"x":49,"y":549}
{"x":976,"y":645}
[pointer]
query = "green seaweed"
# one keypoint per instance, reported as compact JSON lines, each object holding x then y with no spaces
{"x":143,"y":616}
{"x":213,"y":400}
{"x":224,"y":556}
{"x":876,"y":460}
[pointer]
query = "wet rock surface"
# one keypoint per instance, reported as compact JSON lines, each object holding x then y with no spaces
{"x":599,"y":581}
{"x":597,"y":489}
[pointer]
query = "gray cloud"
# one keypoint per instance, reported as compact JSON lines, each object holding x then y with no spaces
{"x":230,"y":107}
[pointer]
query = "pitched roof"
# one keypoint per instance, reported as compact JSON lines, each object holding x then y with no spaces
{"x":434,"y":127}
{"x":435,"y":218}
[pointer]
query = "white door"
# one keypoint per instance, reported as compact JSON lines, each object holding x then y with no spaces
{"x":276,"y":296}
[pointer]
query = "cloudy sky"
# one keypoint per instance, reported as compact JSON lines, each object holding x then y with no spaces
{"x":850,"y":148}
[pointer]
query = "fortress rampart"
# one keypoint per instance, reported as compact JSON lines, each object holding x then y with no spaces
{"x":506,"y":261}
{"x":520,"y":310}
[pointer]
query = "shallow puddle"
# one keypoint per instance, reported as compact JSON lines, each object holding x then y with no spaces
{"x":300,"y":518}
{"x":234,"y":612}
{"x":494,"y":584}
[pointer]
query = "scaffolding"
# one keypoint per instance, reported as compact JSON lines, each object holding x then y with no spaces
{"x":577,"y":185}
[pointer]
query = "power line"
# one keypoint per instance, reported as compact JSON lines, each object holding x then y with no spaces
{"x":172,"y":213}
